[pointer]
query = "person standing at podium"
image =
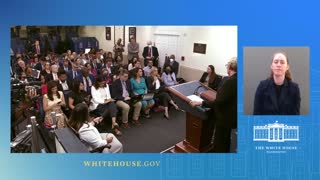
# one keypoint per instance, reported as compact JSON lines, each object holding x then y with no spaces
{"x":225,"y":109}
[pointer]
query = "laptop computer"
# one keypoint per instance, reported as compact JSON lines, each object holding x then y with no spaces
{"x":147,"y":96}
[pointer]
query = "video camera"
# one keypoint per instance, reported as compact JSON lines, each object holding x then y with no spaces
{"x":21,"y":88}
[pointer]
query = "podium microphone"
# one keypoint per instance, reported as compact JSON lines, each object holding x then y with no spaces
{"x":196,"y":90}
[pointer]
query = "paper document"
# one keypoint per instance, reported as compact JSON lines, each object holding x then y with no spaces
{"x":194,"y":98}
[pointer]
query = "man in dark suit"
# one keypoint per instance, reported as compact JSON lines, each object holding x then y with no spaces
{"x":95,"y":65}
{"x":224,"y":109}
{"x":36,"y":49}
{"x":174,"y":64}
{"x":63,"y":83}
{"x":150,"y":52}
{"x":86,"y":79}
{"x":65,"y":66}
{"x":53,"y":75}
{"x":74,"y":72}
{"x":121,"y":92}
{"x":40,"y":65}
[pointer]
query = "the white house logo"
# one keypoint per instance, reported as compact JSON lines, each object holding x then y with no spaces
{"x":276,"y":133}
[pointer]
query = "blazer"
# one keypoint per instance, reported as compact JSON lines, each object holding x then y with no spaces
{"x":49,"y":77}
{"x":91,"y":136}
{"x":38,"y":66}
{"x":70,"y":74}
{"x":97,"y":97}
{"x":267,"y":103}
{"x":61,"y":67}
{"x":155,"y":52}
{"x":69,"y":83}
{"x":215,"y":84}
{"x":152,"y":88}
{"x":80,"y":78}
{"x":169,"y":79}
{"x":175,"y":66}
{"x":225,"y":105}
{"x":116,"y":91}
{"x":98,"y":66}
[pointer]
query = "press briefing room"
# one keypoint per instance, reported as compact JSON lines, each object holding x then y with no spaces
{"x":123,"y":89}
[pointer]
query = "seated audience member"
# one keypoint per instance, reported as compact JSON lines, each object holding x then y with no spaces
{"x":136,"y":65}
{"x":91,"y":137}
{"x":210,"y":78}
{"x":43,"y":85}
{"x":41,"y":65}
{"x":63,"y":83}
{"x":79,"y":63}
{"x":117,"y":71}
{"x":173,"y":63}
{"x":78,"y":95}
{"x":156,"y":86}
{"x":147,"y":69}
{"x":46,"y":70}
{"x":53,"y":76}
{"x":86,"y":79}
{"x":74,"y":72}
{"x":52,"y":102}
{"x":90,"y":70}
{"x":95,"y":65}
{"x":139,"y":88}
{"x":118,"y":61}
{"x":106,"y":75}
{"x":109,"y":66}
{"x":169,"y":77}
{"x":34,"y":61}
{"x":83,"y":58}
{"x":131,"y":63}
{"x":65,"y":66}
{"x":55,"y":60}
{"x":113,"y":60}
{"x":103,"y":104}
{"x":22,"y":67}
{"x":121,"y":92}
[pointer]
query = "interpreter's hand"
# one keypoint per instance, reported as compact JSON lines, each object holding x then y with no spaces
{"x":176,"y":83}
{"x":127,"y":98}
{"x":195,"y":103}
{"x":109,"y":139}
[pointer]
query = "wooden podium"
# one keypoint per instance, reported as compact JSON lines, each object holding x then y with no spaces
{"x":199,"y":128}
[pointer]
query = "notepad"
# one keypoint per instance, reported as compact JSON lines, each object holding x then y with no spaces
{"x":195,"y":98}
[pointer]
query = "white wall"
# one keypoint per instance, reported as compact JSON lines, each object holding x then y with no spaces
{"x":100,"y":33}
{"x":221,"y":45}
{"x":221,"y":42}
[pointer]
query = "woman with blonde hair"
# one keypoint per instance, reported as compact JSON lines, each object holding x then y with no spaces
{"x":156,"y":86}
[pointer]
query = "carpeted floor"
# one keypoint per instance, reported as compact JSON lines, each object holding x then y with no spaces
{"x":155,"y":134}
